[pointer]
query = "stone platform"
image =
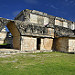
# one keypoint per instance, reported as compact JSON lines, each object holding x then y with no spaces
{"x":14,"y":51}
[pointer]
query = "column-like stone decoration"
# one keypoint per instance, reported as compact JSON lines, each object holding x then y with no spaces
{"x":69,"y":24}
{"x":51,"y":21}
{"x":26,"y":15}
{"x":3,"y":22}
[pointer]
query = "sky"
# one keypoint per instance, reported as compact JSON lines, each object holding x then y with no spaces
{"x":60,"y":8}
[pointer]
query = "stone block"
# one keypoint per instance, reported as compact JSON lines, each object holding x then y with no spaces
{"x":1,"y":42}
{"x":61,"y":44}
{"x":28,"y":43}
{"x":33,"y":18}
{"x":65,"y":24}
{"x":51,"y":32}
{"x":71,"y":44}
{"x":58,"y":22}
{"x":2,"y":35}
{"x":46,"y":44}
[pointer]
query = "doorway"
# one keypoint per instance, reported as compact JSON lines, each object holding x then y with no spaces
{"x":38,"y":43}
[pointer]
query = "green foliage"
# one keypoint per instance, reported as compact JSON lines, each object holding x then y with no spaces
{"x":53,"y":63}
{"x":4,"y":44}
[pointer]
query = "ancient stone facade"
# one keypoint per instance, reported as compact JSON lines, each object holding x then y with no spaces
{"x":3,"y":35}
{"x":33,"y":30}
{"x":64,"y":44}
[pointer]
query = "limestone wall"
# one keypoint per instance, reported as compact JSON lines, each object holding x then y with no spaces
{"x":43,"y":19}
{"x":1,"y":42}
{"x":46,"y":44}
{"x":62,"y":31}
{"x":71,"y":44}
{"x":61,"y":44}
{"x":36,"y":17}
{"x":58,"y":22}
{"x":3,"y":35}
{"x":51,"y":32}
{"x":64,"y":23}
{"x":28,"y":43}
{"x":65,"y":44}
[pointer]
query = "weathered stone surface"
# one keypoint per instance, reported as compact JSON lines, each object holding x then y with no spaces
{"x":51,"y":21}
{"x":37,"y":17}
{"x":33,"y":18}
{"x":16,"y":35}
{"x":58,"y":22}
{"x":73,"y":26}
{"x":32,"y":29}
{"x":46,"y":44}
{"x":3,"y":22}
{"x":30,"y":26}
{"x":16,"y":42}
{"x":71,"y":45}
{"x":28,"y":43}
{"x":64,"y":44}
{"x":3,"y":34}
{"x":61,"y":44}
{"x":64,"y":23}
{"x":51,"y":32}
{"x":62,"y":31}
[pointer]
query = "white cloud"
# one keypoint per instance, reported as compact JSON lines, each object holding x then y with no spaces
{"x":16,"y":13}
{"x":31,"y":1}
{"x":70,"y":2}
{"x":52,"y":6}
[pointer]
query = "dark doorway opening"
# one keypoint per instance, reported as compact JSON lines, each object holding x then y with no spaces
{"x":38,"y":43}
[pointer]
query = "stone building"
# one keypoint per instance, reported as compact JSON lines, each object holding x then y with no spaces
{"x":3,"y":34}
{"x":33,"y":30}
{"x":34,"y":34}
{"x":64,"y":39}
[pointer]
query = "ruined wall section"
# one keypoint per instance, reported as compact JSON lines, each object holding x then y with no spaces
{"x":61,"y":44}
{"x":44,"y":19}
{"x":46,"y":44}
{"x":62,"y":31}
{"x":64,"y":44}
{"x":64,"y":23}
{"x":3,"y":33}
{"x":28,"y":43}
{"x":35,"y":23}
{"x":30,"y":29}
{"x":36,"y":17}
{"x":3,"y":23}
{"x":15,"y":33}
{"x":71,"y":45}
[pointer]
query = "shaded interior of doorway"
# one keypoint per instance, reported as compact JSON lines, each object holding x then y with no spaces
{"x":38,"y":43}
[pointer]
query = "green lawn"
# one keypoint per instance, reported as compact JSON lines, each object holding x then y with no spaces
{"x":53,"y":63}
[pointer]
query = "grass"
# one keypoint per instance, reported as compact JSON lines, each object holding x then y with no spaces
{"x":53,"y":63}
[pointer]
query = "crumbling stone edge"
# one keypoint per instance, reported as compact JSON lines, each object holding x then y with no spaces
{"x":34,"y":51}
